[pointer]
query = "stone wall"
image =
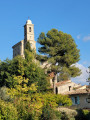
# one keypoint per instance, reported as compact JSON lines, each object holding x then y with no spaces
{"x":82,"y":101}
{"x":66,"y":87}
{"x":18,"y":49}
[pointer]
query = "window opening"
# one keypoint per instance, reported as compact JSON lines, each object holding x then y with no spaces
{"x":56,"y":90}
{"x":76,"y":101}
{"x":69,"y":88}
{"x":29,"y":29}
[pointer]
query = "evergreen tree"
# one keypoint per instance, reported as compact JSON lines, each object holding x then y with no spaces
{"x":60,"y":50}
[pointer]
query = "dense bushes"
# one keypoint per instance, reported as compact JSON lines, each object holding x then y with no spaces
{"x":31,"y":106}
{"x":10,"y":69}
{"x":49,"y":114}
{"x":8,"y":111}
{"x":34,"y":107}
{"x":82,"y":115}
{"x":24,"y":93}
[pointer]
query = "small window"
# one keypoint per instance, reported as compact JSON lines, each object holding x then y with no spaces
{"x":29,"y":29}
{"x":88,"y":100}
{"x":69,"y":88}
{"x":76,"y":100}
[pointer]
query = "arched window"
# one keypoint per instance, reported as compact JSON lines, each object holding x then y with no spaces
{"x":29,"y":29}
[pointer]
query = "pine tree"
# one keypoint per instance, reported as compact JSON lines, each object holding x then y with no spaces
{"x":60,"y":50}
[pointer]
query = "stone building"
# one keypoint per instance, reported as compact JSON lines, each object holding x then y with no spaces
{"x":18,"y":49}
{"x":65,"y":86}
{"x":80,"y":98}
{"x":79,"y":95}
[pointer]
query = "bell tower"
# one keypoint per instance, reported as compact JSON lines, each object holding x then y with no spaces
{"x":29,"y":34}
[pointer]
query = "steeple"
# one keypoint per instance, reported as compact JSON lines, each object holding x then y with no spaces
{"x":29,"y":34}
{"x":18,"y":48}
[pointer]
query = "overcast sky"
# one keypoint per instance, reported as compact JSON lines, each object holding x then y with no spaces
{"x":69,"y":16}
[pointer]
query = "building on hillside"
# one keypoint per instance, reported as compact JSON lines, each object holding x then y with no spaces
{"x":65,"y":86}
{"x":80,"y":98}
{"x":79,"y":95}
{"x":18,"y":49}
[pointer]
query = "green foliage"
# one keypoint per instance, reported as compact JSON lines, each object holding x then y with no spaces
{"x":62,"y":77}
{"x":27,"y":68}
{"x":38,"y":105}
{"x":7,"y":111}
{"x":59,"y":49}
{"x":21,"y":88}
{"x":32,"y":55}
{"x":64,"y":116}
{"x":32,"y":105}
{"x":63,"y":100}
{"x":28,"y":56}
{"x":82,"y":115}
{"x":49,"y":114}
{"x":35,"y":74}
{"x":9,"y":69}
{"x":17,"y":66}
{"x":28,"y":46}
{"x":25,"y":96}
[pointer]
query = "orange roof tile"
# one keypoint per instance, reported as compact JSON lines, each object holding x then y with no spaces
{"x":78,"y":91}
{"x":62,"y":82}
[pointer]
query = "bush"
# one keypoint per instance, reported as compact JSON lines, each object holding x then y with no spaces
{"x":3,"y":94}
{"x":82,"y":115}
{"x":49,"y":114}
{"x":7,"y":111}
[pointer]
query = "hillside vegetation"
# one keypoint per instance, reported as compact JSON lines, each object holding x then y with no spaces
{"x":24,"y":91}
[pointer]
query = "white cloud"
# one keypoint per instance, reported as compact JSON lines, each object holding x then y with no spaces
{"x":86,"y":63}
{"x":78,"y":36}
{"x":86,"y":38}
{"x":82,"y":78}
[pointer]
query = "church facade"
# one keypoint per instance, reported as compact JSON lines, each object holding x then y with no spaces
{"x":18,"y":49}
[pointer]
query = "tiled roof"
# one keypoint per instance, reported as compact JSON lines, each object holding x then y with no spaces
{"x":80,"y":87}
{"x":63,"y":82}
{"x":78,"y":91}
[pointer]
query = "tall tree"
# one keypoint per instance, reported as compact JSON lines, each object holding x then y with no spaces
{"x":60,"y":50}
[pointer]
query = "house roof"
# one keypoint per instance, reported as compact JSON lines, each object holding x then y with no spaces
{"x":78,"y":91}
{"x":63,"y":83}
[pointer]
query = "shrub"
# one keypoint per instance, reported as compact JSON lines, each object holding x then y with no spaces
{"x":49,"y":114}
{"x":4,"y":94}
{"x":7,"y":111}
{"x":82,"y":115}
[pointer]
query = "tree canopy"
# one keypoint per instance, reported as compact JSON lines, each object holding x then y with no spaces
{"x":26,"y":68}
{"x":60,"y":50}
